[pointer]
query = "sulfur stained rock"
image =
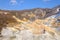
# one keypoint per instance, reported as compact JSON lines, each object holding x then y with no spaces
{"x":28,"y":35}
{"x":6,"y":19}
{"x":34,"y":24}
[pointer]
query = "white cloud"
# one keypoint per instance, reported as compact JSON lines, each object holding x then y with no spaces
{"x":21,"y":1}
{"x":13,"y":2}
{"x":46,"y":0}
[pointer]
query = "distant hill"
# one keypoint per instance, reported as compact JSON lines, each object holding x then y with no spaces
{"x":40,"y":13}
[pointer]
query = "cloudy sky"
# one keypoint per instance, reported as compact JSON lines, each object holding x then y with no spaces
{"x":27,"y":4}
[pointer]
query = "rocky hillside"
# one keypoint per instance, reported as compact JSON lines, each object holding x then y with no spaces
{"x":33,"y":24}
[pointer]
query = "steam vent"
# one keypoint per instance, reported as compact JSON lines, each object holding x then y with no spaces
{"x":32,"y":24}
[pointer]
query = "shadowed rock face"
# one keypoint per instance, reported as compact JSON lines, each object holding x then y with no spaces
{"x":6,"y":19}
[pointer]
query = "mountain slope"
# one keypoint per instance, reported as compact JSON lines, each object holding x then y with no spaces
{"x":36,"y":22}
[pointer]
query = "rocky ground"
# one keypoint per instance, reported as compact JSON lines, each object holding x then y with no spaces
{"x":30,"y":31}
{"x":27,"y":35}
{"x":34,"y":24}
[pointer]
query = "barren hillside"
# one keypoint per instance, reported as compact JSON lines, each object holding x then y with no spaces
{"x":35,"y":24}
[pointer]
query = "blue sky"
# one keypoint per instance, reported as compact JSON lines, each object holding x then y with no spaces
{"x":27,"y":4}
